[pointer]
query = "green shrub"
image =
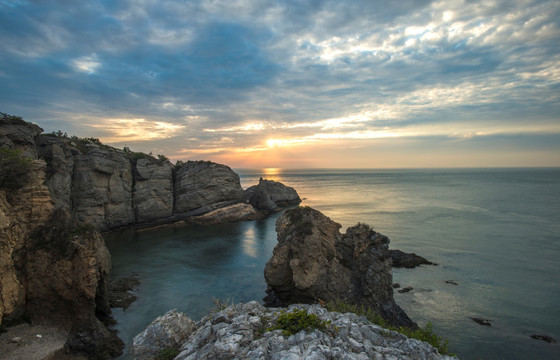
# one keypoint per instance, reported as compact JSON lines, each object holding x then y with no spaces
{"x":14,"y":169}
{"x":423,"y":334}
{"x":293,"y":322}
{"x":168,"y":353}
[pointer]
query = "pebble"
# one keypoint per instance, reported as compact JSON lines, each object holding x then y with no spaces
{"x":16,"y":340}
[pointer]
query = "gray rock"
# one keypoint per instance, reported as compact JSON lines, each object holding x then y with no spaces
{"x":167,"y":331}
{"x":270,"y":195}
{"x":15,"y":133}
{"x":102,"y":189}
{"x":203,"y":186}
{"x":407,"y":260}
{"x":313,"y":260}
{"x":236,"y":212}
{"x":242,"y":334}
{"x":153,"y":190}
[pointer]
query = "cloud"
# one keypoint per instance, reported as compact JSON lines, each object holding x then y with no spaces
{"x":244,"y":72}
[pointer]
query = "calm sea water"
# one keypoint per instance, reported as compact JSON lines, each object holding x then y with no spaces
{"x":495,"y":232}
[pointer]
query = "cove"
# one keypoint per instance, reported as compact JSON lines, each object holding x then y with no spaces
{"x":185,"y":266}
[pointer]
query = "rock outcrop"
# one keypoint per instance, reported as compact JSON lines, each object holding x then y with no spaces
{"x":406,"y":260}
{"x":203,"y":186}
{"x":234,"y":212}
{"x":153,"y":190}
{"x":241,"y":332}
{"x":313,"y":261}
{"x":167,"y":331}
{"x":270,"y":195}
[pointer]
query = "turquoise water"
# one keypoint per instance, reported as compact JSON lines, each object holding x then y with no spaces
{"x":495,"y":232}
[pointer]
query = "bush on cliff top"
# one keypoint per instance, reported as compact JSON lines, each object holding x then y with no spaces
{"x":293,"y":322}
{"x":14,"y":169}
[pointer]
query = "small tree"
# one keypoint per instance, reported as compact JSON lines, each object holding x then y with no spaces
{"x":14,"y":169}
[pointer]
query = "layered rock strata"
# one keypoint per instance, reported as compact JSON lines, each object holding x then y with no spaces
{"x":240,"y":332}
{"x":313,"y":261}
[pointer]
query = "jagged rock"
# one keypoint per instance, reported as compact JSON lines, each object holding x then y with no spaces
{"x":102,"y":189}
{"x":120,"y":292}
{"x":405,"y":260}
{"x":153,"y":190}
{"x":203,"y":186}
{"x":239,"y":332}
{"x":17,"y":133}
{"x":167,"y":331}
{"x":270,"y":195}
{"x":313,"y":260}
{"x":236,"y":212}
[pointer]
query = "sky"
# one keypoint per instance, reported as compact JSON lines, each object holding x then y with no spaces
{"x":293,"y":84}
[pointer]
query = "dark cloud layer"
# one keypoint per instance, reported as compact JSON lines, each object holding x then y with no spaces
{"x":228,"y":75}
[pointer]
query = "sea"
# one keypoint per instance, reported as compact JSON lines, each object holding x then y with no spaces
{"x":494,"y":234}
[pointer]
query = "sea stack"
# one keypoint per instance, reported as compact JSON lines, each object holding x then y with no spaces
{"x":313,"y":261}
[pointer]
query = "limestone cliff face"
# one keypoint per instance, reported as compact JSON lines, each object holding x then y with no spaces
{"x":153,"y":190}
{"x":203,"y":186}
{"x":102,"y":189}
{"x":313,"y":260}
{"x":21,"y":213}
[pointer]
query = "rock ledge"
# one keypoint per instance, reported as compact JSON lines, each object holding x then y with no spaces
{"x":239,"y":332}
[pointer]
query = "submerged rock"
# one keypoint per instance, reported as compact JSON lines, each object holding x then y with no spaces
{"x":270,"y":195}
{"x":545,"y":338}
{"x":481,"y":321}
{"x":240,"y":332}
{"x":313,"y":260}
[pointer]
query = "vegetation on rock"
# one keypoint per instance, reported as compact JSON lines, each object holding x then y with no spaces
{"x":293,"y":322}
{"x":14,"y":169}
{"x":423,"y":334}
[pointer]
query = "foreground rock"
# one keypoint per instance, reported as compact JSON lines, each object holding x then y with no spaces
{"x":239,"y":332}
{"x":270,"y":195}
{"x":167,"y":331}
{"x":406,"y":260}
{"x":313,"y":260}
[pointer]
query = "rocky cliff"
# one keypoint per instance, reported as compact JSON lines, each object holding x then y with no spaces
{"x":247,"y":331}
{"x":314,"y":261}
{"x":56,"y":192}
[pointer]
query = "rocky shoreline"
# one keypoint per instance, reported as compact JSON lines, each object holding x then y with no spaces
{"x":243,"y":331}
{"x":55,"y":266}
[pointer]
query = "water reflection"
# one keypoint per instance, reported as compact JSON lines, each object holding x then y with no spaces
{"x":249,"y":242}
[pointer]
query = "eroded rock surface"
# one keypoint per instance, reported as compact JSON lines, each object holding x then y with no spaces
{"x":203,"y":186}
{"x":239,"y":332}
{"x":313,"y":260}
{"x":407,"y":260}
{"x":167,"y":331}
{"x":153,"y":190}
{"x":270,"y":195}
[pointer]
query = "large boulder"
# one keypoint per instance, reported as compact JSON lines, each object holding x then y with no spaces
{"x":270,"y":195}
{"x":153,"y":190}
{"x":203,"y":186}
{"x":313,"y":261}
{"x":167,"y":331}
{"x":102,"y":189}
